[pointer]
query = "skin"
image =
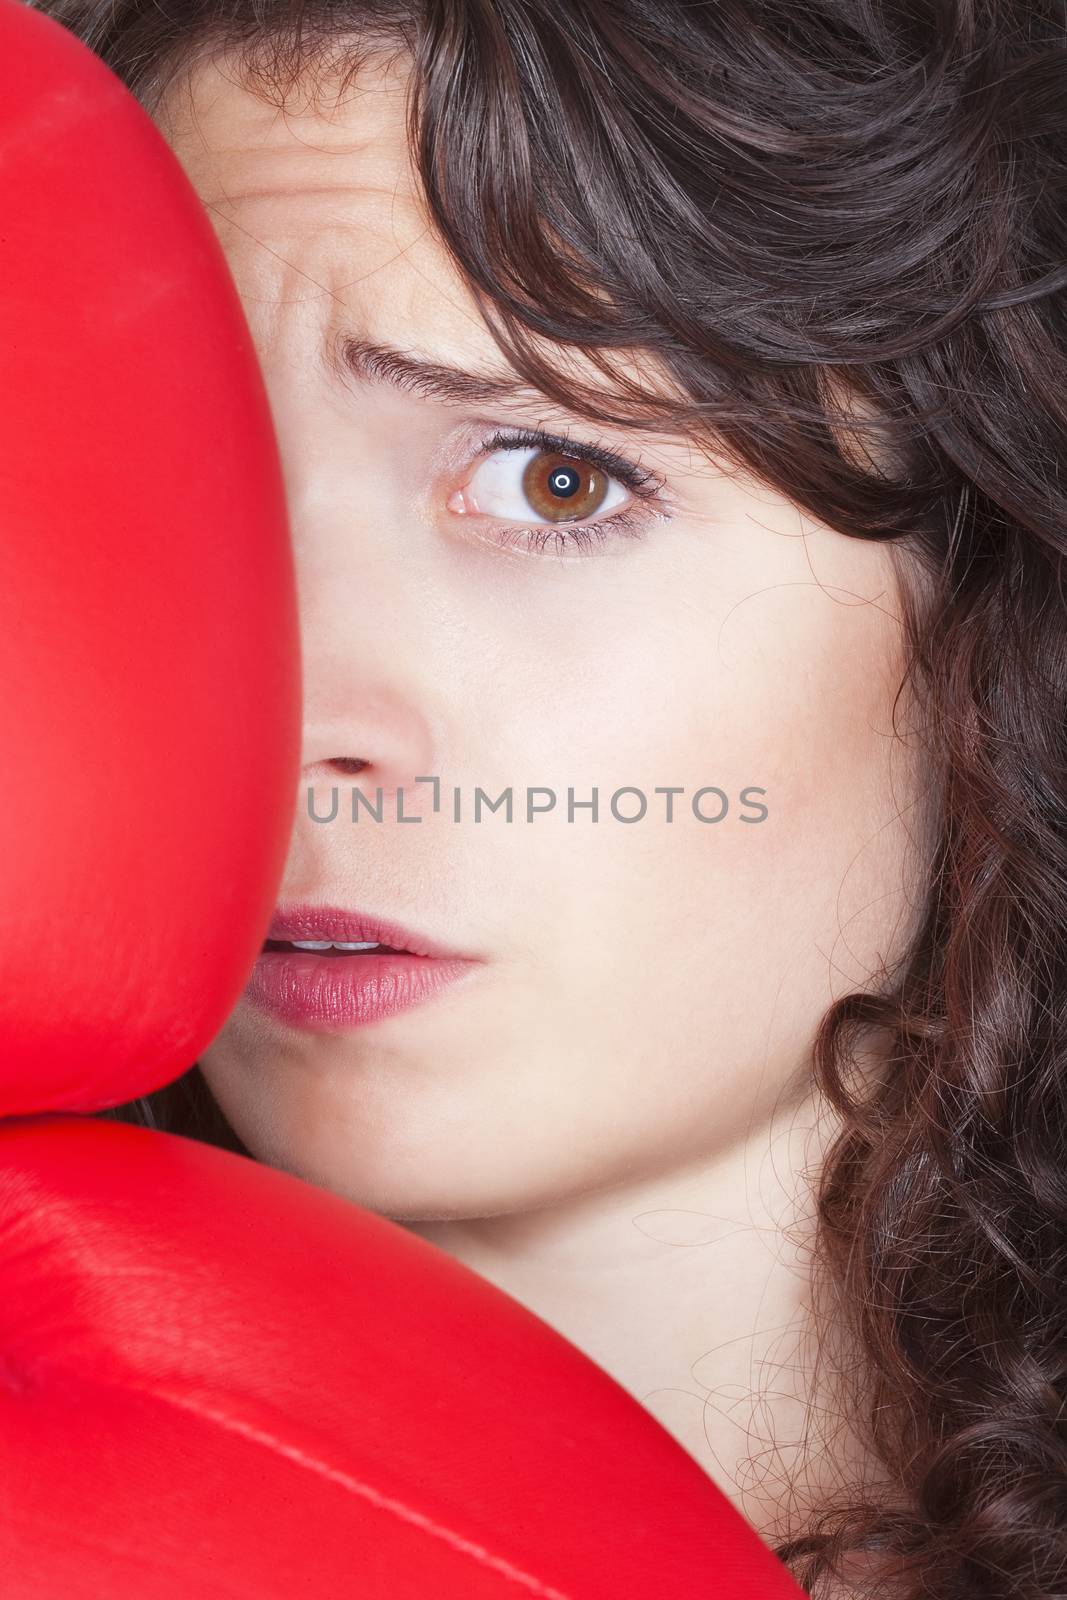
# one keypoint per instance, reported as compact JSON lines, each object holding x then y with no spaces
{"x":611,"y":1118}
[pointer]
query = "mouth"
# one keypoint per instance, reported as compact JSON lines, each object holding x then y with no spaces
{"x":326,"y":929}
{"x":326,"y":947}
{"x":329,"y":969}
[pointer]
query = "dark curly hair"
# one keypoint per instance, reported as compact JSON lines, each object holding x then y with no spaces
{"x":840,"y":226}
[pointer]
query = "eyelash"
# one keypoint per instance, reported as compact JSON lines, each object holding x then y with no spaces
{"x":629,"y":523}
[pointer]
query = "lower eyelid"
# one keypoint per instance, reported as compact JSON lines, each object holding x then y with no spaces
{"x":629,"y":524}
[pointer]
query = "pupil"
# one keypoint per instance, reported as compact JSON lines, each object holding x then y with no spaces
{"x":564,"y":481}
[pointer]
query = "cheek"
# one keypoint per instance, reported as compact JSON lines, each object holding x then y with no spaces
{"x":701,"y":956}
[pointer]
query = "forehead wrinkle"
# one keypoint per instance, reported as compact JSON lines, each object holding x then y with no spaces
{"x":276,"y":192}
{"x":349,"y":213}
{"x":286,"y":263}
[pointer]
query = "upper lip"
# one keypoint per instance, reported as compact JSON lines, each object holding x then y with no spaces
{"x":351,"y":927}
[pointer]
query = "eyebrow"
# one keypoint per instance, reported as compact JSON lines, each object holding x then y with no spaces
{"x":368,"y":362}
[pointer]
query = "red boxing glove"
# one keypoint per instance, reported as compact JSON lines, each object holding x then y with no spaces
{"x":222,"y":1382}
{"x":150,"y":713}
{"x":217,"y":1380}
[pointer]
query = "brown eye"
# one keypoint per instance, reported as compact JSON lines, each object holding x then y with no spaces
{"x":563,"y":489}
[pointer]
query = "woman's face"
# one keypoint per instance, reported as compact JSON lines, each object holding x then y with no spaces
{"x":644,"y":991}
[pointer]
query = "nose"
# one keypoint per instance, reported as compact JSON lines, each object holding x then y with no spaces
{"x":370,"y":715}
{"x":370,"y":732}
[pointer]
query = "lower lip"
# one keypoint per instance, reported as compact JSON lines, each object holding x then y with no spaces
{"x":308,"y":990}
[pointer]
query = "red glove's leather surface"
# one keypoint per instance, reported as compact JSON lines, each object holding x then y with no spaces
{"x":222,"y":1382}
{"x":217,"y":1382}
{"x":149,"y":684}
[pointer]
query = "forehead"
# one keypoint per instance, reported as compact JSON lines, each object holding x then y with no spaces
{"x":319,"y":199}
{"x":318,"y":206}
{"x":225,"y":129}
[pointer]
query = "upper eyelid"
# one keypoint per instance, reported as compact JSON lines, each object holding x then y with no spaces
{"x":636,"y":477}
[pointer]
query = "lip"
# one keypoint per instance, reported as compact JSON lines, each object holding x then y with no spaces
{"x":350,"y":927}
{"x":336,"y":992}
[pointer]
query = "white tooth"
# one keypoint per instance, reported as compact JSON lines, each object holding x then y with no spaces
{"x":332,"y":944}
